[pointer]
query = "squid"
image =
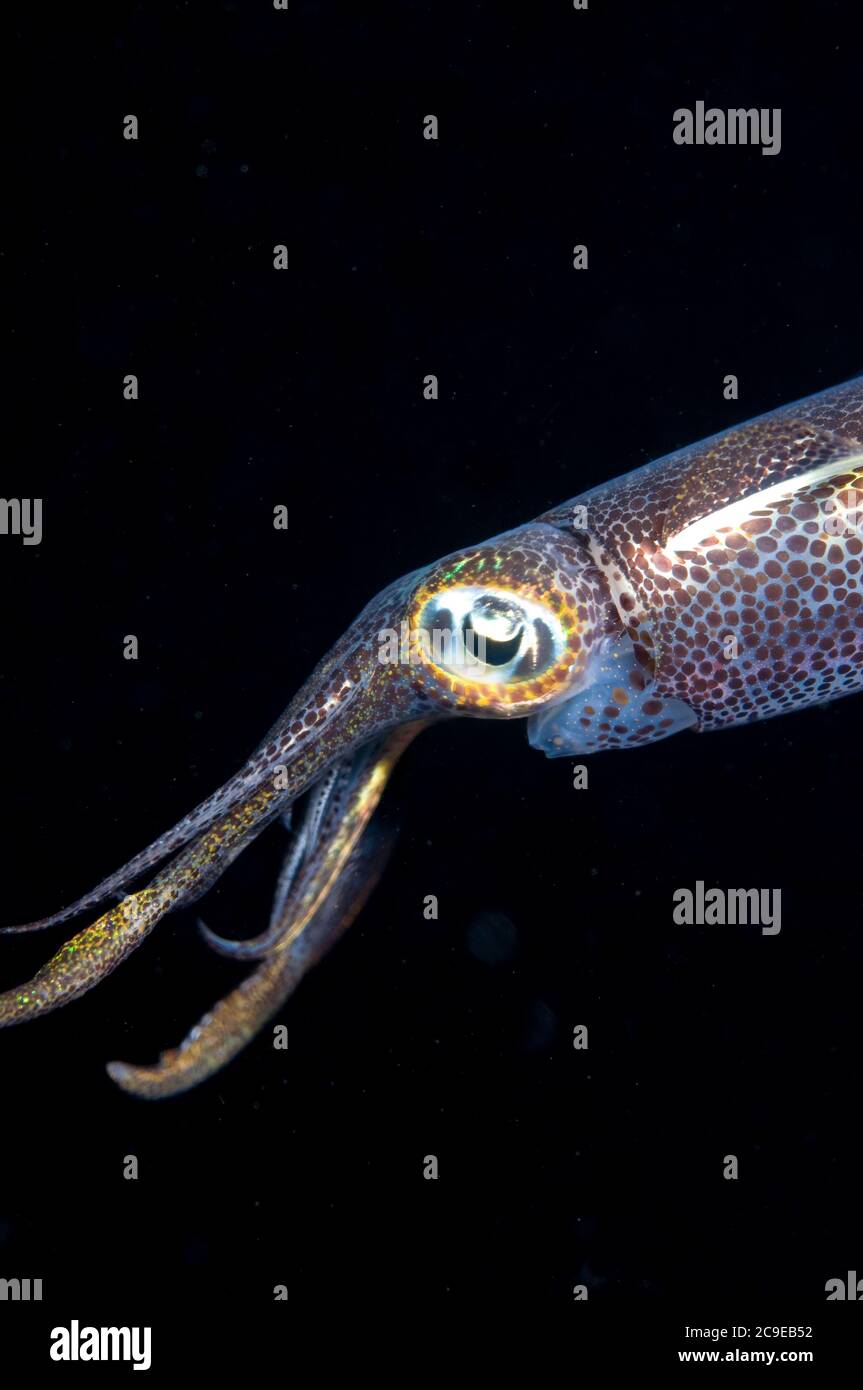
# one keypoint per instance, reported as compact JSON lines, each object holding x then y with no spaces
{"x":715,"y":586}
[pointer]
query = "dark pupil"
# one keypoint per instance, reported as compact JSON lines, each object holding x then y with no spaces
{"x":485,"y":649}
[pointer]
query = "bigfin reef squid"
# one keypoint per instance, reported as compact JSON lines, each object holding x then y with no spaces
{"x":718,"y":585}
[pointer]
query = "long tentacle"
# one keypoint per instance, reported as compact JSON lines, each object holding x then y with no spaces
{"x":334,"y":828}
{"x":97,"y":950}
{"x":328,"y":893}
{"x":290,"y":868}
{"x":282,"y":752}
{"x":307,"y":834}
{"x":197,"y":821}
{"x":226,"y":1029}
{"x":331,"y":794}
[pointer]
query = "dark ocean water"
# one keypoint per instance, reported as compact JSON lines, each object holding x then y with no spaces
{"x":304,"y":388}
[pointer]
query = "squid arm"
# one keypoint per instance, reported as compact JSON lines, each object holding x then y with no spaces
{"x":326,"y":879}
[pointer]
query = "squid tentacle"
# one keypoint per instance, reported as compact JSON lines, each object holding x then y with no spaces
{"x":341,"y":867}
{"x":93,"y":953}
{"x":197,"y":822}
{"x":283,"y":752}
{"x":298,"y":850}
{"x":290,"y":868}
{"x":327,"y":877}
{"x":237,"y":1018}
{"x":350,"y":801}
{"x":293,"y":863}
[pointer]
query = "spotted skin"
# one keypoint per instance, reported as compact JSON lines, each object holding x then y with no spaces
{"x":731,"y":566}
{"x":718,"y":585}
{"x":618,"y":707}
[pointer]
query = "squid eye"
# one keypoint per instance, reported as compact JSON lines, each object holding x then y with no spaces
{"x":490,"y":637}
{"x":493,"y":630}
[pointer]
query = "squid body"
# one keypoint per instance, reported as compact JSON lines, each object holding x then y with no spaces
{"x":715,"y":586}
